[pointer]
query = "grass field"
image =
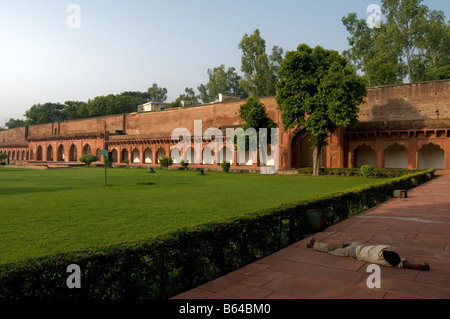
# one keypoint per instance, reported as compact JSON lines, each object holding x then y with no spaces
{"x":48,"y":211}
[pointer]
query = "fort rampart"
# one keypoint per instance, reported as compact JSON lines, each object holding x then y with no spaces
{"x":404,"y":126}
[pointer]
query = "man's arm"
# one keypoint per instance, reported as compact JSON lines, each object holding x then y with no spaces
{"x":424,"y":266}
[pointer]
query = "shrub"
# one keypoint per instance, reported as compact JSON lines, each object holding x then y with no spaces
{"x":378,"y":172}
{"x":165,"y":162}
{"x":89,"y":159}
{"x":184,"y":164}
{"x":367,"y":171}
{"x":225,"y":166}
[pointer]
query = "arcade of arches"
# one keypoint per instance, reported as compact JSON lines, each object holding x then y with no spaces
{"x":404,"y":126}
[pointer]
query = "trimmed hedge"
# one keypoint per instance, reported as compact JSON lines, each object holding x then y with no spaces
{"x":377,"y":172}
{"x":167,"y":265}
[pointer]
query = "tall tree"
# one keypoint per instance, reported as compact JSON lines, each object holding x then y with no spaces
{"x":275,"y":60}
{"x":433,"y":60}
{"x":318,"y":91}
{"x":373,"y":52}
{"x":407,"y":20}
{"x":257,"y":66}
{"x":254,"y":114}
{"x":412,"y":42}
{"x":221,"y":80}
{"x":157,"y":94}
{"x":189,"y":97}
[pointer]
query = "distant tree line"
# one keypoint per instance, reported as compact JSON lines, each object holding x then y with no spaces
{"x":259,"y":79}
{"x":125,"y":102}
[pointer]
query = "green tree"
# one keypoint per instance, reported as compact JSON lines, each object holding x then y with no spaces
{"x":71,"y":110}
{"x":275,"y":60}
{"x":258,"y":69}
{"x":254,"y":113}
{"x":407,"y":20}
{"x":113,"y":104}
{"x":373,"y":52}
{"x":45,"y":113}
{"x":142,"y":95}
{"x":318,"y":91}
{"x":157,"y":94}
{"x":13,"y":123}
{"x":221,"y":81}
{"x":433,"y":60}
{"x":189,"y":96}
{"x":412,"y":42}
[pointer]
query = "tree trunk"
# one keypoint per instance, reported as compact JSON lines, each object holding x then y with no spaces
{"x":316,"y":158}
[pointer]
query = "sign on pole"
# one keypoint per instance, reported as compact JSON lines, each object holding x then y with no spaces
{"x":106,"y":154}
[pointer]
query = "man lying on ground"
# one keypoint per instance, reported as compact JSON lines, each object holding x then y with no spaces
{"x":375,"y":254}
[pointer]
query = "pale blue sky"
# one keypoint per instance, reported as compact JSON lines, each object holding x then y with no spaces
{"x":129,"y":45}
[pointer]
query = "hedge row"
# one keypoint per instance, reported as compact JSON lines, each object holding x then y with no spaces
{"x":377,"y":172}
{"x":167,"y":265}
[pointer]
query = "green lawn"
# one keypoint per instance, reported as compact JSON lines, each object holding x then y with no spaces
{"x":48,"y":211}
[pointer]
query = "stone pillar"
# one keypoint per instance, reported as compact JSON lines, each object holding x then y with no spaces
{"x":154,"y":154}
{"x":141,"y":153}
{"x":379,"y":153}
{"x":447,"y":154}
{"x":413,"y":150}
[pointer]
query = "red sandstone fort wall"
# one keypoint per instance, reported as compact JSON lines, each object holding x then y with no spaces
{"x":418,"y":101}
{"x":387,"y":109}
{"x":212,"y":115}
{"x":13,"y":136}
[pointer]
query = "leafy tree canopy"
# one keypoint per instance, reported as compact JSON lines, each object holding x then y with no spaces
{"x":318,"y":91}
{"x":260,"y":70}
{"x":412,"y":42}
{"x":221,"y":80}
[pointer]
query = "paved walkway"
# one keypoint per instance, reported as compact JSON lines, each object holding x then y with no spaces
{"x":418,"y":227}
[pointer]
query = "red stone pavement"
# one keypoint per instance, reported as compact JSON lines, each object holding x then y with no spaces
{"x":418,"y":227}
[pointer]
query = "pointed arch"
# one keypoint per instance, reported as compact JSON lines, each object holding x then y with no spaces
{"x":86,"y":149}
{"x":160,"y":153}
{"x":61,"y":155}
{"x":148,"y":156}
{"x":431,"y":156}
{"x":136,"y":156}
{"x":49,"y":153}
{"x":73,"y":153}
{"x":396,"y":156}
{"x":124,"y":155}
{"x":364,"y":155}
{"x":39,"y":153}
